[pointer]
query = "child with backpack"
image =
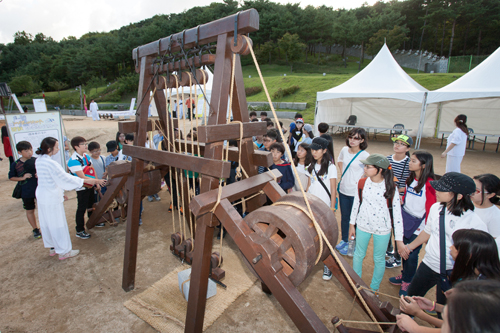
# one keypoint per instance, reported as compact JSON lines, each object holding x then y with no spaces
{"x":322,"y":175}
{"x":376,"y":203}
{"x":417,"y":201}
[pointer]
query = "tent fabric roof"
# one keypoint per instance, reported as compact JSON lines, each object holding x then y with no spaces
{"x":382,"y":78}
{"x":483,"y":81}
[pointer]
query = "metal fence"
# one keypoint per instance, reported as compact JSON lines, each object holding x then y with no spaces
{"x":463,"y":64}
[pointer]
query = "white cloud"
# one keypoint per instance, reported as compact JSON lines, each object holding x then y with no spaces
{"x":63,"y":18}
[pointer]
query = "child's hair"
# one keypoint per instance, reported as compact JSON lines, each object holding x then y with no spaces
{"x":253,"y":113}
{"x":323,"y":127}
{"x":23,"y":145}
{"x":254,"y":119}
{"x":233,"y":143}
{"x":298,"y":115}
{"x":272,"y":134}
{"x":263,"y":113}
{"x":309,"y":156}
{"x":425,"y":158}
{"x":458,"y":206}
{"x":118,"y":140}
{"x":129,"y":137}
{"x":47,"y":145}
{"x":477,"y":250}
{"x":390,"y":185}
{"x":330,"y":146}
{"x":269,"y":123}
{"x":491,"y":184}
{"x":281,"y":124}
{"x":76,"y":141}
{"x":325,"y":163}
{"x":278,"y":146}
{"x":473,"y":307}
{"x":461,"y":122}
{"x":193,"y":136}
{"x":4,"y":132}
{"x":93,"y":145}
{"x":362,"y":134}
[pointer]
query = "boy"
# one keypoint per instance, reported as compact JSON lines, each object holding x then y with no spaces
{"x":112,"y":147}
{"x":323,"y":128}
{"x":253,"y":115}
{"x":23,"y":171}
{"x":287,"y":181}
{"x":263,"y":116}
{"x":270,"y":138}
{"x":85,"y":196}
{"x":99,"y":165}
{"x":129,"y":140}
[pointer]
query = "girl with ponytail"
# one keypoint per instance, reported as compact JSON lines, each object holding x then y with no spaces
{"x":484,"y":200}
{"x":376,"y":203}
{"x":455,"y":148}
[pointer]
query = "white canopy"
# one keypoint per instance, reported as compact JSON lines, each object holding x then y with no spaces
{"x":381,"y":95}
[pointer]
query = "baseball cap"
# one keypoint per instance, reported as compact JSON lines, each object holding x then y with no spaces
{"x":111,"y":146}
{"x":319,"y":143}
{"x":403,"y":138}
{"x":377,"y":160}
{"x":454,"y":182}
{"x":299,"y":120}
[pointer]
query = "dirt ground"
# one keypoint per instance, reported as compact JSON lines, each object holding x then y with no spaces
{"x":39,"y":293}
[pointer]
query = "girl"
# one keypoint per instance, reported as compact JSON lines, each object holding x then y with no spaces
{"x":484,"y":200}
{"x":120,"y":140}
{"x":52,"y":182}
{"x":299,"y":135}
{"x":455,"y":148}
{"x":352,"y":171}
{"x":399,"y":163}
{"x":417,"y":201}
{"x":322,"y":175}
{"x":330,"y":145}
{"x":453,"y":193}
{"x":371,"y":216}
{"x":302,"y":159}
{"x":476,"y":258}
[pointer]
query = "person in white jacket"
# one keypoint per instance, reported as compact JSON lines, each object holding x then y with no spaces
{"x":94,"y":108}
{"x":455,"y":148}
{"x":52,"y":182}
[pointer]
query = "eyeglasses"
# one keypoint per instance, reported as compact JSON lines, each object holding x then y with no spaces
{"x":399,"y":143}
{"x":355,"y":138}
{"x":85,"y":144}
{"x":95,"y":151}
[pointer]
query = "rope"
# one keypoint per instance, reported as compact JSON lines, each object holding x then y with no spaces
{"x":377,"y":292}
{"x":170,"y":145}
{"x":341,"y":322}
{"x":287,"y":148}
{"x":157,"y":312}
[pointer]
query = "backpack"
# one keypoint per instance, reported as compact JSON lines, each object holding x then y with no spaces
{"x":88,"y":170}
{"x":361,"y":186}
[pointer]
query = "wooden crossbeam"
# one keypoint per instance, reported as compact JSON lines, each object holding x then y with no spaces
{"x":248,"y":21}
{"x":214,"y":133}
{"x":206,"y":59}
{"x":214,"y":168}
{"x":131,"y":126}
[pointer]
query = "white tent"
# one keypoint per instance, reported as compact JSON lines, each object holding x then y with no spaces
{"x":381,"y":95}
{"x":475,"y":94}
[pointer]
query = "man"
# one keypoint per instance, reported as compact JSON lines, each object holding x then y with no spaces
{"x":94,"y":108}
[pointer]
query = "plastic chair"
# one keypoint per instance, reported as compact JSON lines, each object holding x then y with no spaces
{"x":352,"y":120}
{"x":471,"y":137}
{"x":397,"y":130}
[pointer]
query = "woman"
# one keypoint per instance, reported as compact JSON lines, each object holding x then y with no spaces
{"x":52,"y":181}
{"x":455,"y":148}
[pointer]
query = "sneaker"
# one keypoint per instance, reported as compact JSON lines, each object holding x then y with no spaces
{"x":341,"y":245}
{"x":343,"y":251}
{"x":140,"y":221}
{"x":52,"y":252}
{"x":170,"y":208}
{"x":70,"y":254}
{"x":100,"y":225}
{"x":327,"y":274}
{"x":182,"y":212}
{"x":150,"y":198}
{"x":396,"y":280}
{"x":157,"y":197}
{"x":389,"y":254}
{"x":403,"y":291}
{"x":392,"y":263}
{"x":36,"y":233}
{"x":82,"y":235}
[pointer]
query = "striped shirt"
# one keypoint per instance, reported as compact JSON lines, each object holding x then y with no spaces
{"x":400,"y":169}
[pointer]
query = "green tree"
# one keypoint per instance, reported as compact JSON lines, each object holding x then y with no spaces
{"x":394,"y":39}
{"x":57,"y":85}
{"x":22,"y":84}
{"x":95,"y":82}
{"x":22,"y":38}
{"x":291,"y":45}
{"x":344,"y":30}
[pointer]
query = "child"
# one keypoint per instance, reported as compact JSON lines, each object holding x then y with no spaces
{"x":270,"y":138}
{"x":129,"y":140}
{"x":322,"y":175}
{"x":23,"y":171}
{"x":485,"y":199}
{"x":323,"y":128}
{"x":288,"y":180}
{"x":299,"y":135}
{"x":453,"y":193}
{"x":263,"y":116}
{"x":399,"y":163}
{"x":455,"y":148}
{"x":417,"y":201}
{"x":371,"y":215}
{"x":85,"y":196}
{"x":352,"y":170}
{"x":99,"y":165}
{"x":253,"y":115}
{"x":115,"y":154}
{"x":120,"y":140}
{"x":302,"y":159}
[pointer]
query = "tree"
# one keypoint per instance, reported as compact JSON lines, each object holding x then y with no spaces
{"x":292,"y":47}
{"x":266,"y":51}
{"x":343,"y":30}
{"x":394,"y":39}
{"x":95,"y":82}
{"x":22,"y":84}
{"x":57,"y":85}
{"x":22,"y":38}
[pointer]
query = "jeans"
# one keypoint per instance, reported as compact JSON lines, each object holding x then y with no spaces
{"x":410,"y":265}
{"x":85,"y":200}
{"x":379,"y":248}
{"x":424,"y":279}
{"x":346,"y":203}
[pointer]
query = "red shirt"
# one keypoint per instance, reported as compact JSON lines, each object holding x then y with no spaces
{"x":6,"y":146}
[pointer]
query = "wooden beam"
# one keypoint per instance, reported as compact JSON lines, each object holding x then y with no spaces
{"x":214,"y":168}
{"x":248,"y":21}
{"x":206,"y":59}
{"x":204,"y":202}
{"x":112,"y":191}
{"x":130,"y":126}
{"x":214,"y":133}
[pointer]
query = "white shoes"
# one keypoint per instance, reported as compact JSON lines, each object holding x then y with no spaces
{"x":70,"y":254}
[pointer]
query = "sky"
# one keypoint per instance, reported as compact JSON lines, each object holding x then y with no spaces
{"x":63,"y":18}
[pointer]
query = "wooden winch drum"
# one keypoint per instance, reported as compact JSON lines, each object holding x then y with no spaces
{"x":151,"y":182}
{"x":288,"y":236}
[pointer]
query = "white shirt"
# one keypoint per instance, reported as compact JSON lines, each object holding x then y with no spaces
{"x":301,"y":170}
{"x":491,"y":217}
{"x":316,"y":188}
{"x":354,"y":173}
{"x":459,"y":138}
{"x":415,"y":202}
{"x":452,"y":223}
{"x":373,"y":216}
{"x":94,"y":107}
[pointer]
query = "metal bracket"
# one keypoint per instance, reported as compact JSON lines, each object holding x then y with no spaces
{"x":236,"y":29}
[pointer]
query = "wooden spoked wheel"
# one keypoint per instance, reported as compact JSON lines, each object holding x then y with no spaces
{"x":288,"y":236}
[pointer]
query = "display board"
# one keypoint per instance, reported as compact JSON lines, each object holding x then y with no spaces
{"x":34,"y":127}
{"x":39,"y":105}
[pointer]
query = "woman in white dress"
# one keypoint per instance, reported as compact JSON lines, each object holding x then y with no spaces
{"x":52,"y":182}
{"x":455,"y":148}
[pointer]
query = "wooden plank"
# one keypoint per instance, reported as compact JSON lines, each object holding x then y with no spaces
{"x":248,"y":21}
{"x":214,"y":133}
{"x":204,"y":202}
{"x":130,"y":126}
{"x":273,"y":191}
{"x":214,"y":168}
{"x":112,"y":191}
{"x":206,"y":59}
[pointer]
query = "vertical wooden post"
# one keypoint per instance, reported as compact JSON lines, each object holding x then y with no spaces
{"x":134,"y":183}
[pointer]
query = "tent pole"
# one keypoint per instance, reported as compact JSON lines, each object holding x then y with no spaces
{"x":422,"y":120}
{"x":438,"y":120}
